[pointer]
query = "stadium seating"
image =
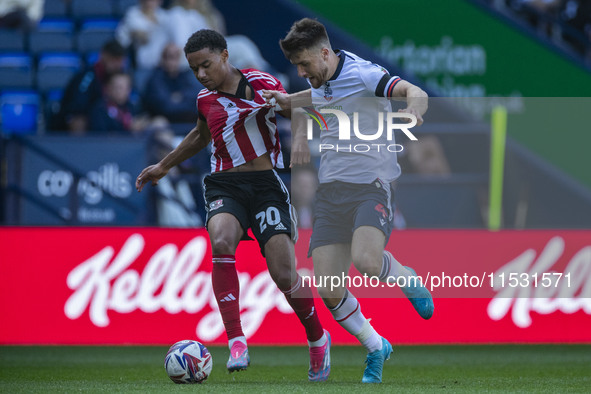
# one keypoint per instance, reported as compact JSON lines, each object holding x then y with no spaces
{"x":84,"y":9}
{"x":19,"y":112}
{"x":12,"y":40}
{"x":56,"y":69}
{"x":94,"y":33}
{"x":16,"y":70}
{"x":55,"y":8}
{"x":52,"y":35}
{"x":122,"y":6}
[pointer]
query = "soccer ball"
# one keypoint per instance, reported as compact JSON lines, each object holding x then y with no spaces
{"x":188,"y":362}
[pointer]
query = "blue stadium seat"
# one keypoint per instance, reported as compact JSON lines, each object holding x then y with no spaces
{"x":83,"y":9}
{"x":55,"y":8}
{"x":121,"y":6}
{"x":92,"y":57}
{"x":52,"y":35}
{"x":16,"y":70}
{"x":19,"y":112}
{"x":94,"y":33}
{"x":55,"y":70}
{"x":12,"y":40}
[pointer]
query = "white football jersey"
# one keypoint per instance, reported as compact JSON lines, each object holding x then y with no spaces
{"x":357,"y":87}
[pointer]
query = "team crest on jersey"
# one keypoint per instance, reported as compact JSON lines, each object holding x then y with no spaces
{"x":216,"y":204}
{"x":327,"y":92}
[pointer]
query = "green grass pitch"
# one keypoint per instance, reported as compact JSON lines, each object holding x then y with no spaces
{"x":412,"y":369}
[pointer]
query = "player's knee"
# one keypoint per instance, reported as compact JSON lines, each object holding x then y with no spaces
{"x":282,"y":278}
{"x":367,"y":263}
{"x":330,"y":296}
{"x":222,"y":245}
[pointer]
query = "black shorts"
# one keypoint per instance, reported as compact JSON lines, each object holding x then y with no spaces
{"x":258,"y":199}
{"x":340,"y":208}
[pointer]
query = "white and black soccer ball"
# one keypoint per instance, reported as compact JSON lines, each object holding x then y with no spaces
{"x":188,"y":361}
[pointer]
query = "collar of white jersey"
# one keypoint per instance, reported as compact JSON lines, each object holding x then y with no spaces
{"x":337,"y":72}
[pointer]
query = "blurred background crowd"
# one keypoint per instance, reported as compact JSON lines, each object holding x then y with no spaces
{"x":115,"y":68}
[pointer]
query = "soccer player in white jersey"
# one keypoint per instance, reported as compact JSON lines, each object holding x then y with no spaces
{"x":353,"y":212}
{"x":243,"y":190}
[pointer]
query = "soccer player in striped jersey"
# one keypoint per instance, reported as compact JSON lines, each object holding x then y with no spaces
{"x":243,"y":190}
{"x":353,"y":210}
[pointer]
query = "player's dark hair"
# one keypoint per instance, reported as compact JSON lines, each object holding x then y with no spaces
{"x":205,"y":38}
{"x":304,"y":34}
{"x":113,"y":48}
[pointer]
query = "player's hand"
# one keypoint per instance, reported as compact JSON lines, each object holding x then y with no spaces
{"x":152,"y":173}
{"x":282,"y":99}
{"x":300,"y":152}
{"x":415,"y":113}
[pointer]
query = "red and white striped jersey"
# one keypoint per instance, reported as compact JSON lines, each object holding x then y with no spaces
{"x":241,"y":130}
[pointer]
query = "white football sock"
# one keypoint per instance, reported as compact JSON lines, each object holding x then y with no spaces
{"x":370,"y":338}
{"x":241,"y":339}
{"x":319,"y":342}
{"x":348,"y":315}
{"x":391,"y":268}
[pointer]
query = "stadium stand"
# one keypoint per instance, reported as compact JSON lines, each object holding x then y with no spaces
{"x":12,"y":40}
{"x":84,"y":9}
{"x":33,"y":76}
{"x":55,"y":8}
{"x":122,"y":6}
{"x":19,"y":111}
{"x":16,"y":70}
{"x":52,"y":35}
{"x":54,"y":70}
{"x":93,"y":33}
{"x":565,"y":24}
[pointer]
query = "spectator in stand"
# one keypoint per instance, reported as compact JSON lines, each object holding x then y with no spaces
{"x":215,"y":19}
{"x":144,"y":29}
{"x":577,"y":15}
{"x":170,"y":91}
{"x":246,"y":54}
{"x":184,"y":19}
{"x":86,"y":88}
{"x":116,"y":112}
{"x":20,"y":14}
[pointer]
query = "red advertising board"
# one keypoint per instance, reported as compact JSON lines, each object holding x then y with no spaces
{"x":152,"y":286}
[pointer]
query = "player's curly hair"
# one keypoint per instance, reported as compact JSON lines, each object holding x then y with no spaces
{"x":205,"y":38}
{"x":304,"y":34}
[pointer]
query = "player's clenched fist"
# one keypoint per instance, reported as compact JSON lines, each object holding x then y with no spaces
{"x":152,"y":173}
{"x":282,"y":99}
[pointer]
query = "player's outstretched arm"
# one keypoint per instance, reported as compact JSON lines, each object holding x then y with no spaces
{"x":197,"y":139}
{"x":288,"y":101}
{"x":417,"y":100}
{"x":291,"y":108}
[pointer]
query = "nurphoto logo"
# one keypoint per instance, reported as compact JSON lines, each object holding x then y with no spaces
{"x":348,"y":133}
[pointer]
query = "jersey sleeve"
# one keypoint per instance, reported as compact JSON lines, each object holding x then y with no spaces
{"x":200,"y":104}
{"x":378,"y":80}
{"x":278,"y":86}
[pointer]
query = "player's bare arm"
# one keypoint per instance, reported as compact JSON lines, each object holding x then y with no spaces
{"x":290,"y":104}
{"x":416,"y":99}
{"x":197,"y":139}
{"x":287,"y":101}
